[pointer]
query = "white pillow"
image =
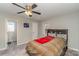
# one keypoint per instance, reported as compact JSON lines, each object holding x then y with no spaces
{"x":62,"y":36}
{"x":52,"y":34}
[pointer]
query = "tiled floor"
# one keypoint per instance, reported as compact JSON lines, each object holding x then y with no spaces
{"x":15,"y":50}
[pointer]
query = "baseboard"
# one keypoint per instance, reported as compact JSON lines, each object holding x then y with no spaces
{"x":74,"y":49}
{"x":22,"y":43}
{"x":3,"y":49}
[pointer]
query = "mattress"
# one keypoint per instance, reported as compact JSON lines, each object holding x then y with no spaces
{"x":46,"y":46}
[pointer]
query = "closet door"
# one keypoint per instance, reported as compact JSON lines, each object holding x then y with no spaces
{"x":34,"y":30}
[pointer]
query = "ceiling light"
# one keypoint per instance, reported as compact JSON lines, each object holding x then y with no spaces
{"x":28,"y":13}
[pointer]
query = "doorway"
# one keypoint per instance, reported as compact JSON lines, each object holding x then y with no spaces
{"x":11,"y":34}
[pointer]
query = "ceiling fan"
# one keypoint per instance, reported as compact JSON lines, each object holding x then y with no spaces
{"x":27,"y":9}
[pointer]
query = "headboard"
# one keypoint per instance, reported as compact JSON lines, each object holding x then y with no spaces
{"x":58,"y":33}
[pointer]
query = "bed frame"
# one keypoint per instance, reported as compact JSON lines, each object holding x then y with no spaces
{"x":60,"y":31}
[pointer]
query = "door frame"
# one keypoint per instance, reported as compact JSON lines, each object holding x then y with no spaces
{"x":6,"y":41}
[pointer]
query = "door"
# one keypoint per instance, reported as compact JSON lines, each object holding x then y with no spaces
{"x":12,"y":32}
{"x":35,"y":30}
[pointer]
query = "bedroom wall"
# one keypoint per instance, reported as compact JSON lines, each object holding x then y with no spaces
{"x":2,"y":34}
{"x":35,"y":30}
{"x":23,"y":34}
{"x":40,"y":29}
{"x":70,"y":22}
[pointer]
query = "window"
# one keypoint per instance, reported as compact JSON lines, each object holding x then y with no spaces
{"x":11,"y":26}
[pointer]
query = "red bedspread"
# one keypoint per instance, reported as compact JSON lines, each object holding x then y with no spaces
{"x":44,"y":39}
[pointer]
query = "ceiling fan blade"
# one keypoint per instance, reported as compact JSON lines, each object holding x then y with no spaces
{"x":34,"y":6}
{"x":36,"y":12}
{"x":20,"y":12}
{"x":18,"y":5}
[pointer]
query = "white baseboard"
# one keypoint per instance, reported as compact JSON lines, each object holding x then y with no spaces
{"x":22,"y":43}
{"x":3,"y":49}
{"x":74,"y":49}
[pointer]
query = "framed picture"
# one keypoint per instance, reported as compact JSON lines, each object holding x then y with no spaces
{"x":26,"y":25}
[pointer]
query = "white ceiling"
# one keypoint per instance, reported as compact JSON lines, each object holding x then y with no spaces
{"x":48,"y":10}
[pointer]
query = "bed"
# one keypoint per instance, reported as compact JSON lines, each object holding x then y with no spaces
{"x":54,"y":44}
{"x":63,"y":33}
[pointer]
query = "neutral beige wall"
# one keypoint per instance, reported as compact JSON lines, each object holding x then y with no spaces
{"x":35,"y":30}
{"x":40,"y":29}
{"x":23,"y":34}
{"x":70,"y":22}
{"x":2,"y":34}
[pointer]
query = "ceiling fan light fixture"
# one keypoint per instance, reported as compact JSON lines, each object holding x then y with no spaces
{"x":28,"y":13}
{"x":27,"y":9}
